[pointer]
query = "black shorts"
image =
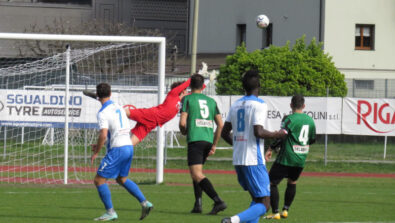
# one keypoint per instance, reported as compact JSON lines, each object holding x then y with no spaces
{"x":198,"y":152}
{"x":278,"y":172}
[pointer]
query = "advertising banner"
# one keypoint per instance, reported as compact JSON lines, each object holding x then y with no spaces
{"x":368,"y":116}
{"x":46,"y":108}
{"x":42,"y":108}
{"x":326,"y":112}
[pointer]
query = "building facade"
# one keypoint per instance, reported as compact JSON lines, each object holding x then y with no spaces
{"x":357,"y":34}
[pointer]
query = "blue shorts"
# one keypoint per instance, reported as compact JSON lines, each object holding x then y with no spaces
{"x":116,"y":163}
{"x":254,"y":179}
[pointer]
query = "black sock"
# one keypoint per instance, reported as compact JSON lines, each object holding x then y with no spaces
{"x":198,"y":192}
{"x":208,"y":188}
{"x":274,"y":197}
{"x":289,"y":195}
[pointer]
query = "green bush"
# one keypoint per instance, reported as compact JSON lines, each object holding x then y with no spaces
{"x":284,"y":72}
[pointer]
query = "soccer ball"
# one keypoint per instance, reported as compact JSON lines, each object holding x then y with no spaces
{"x":262,"y":21}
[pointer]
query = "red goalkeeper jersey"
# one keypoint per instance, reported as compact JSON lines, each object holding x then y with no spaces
{"x":171,"y":106}
{"x":148,"y":118}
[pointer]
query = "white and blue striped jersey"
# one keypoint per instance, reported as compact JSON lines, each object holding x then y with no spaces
{"x":243,"y":115}
{"x":112,"y":116}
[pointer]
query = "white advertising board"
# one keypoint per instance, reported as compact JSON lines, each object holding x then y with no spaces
{"x":368,"y":116}
{"x":326,"y":112}
{"x":45,"y":108}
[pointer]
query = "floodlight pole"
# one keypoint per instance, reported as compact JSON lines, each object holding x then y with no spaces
{"x":194,"y":37}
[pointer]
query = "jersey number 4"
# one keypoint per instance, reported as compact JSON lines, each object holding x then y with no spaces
{"x":304,"y":134}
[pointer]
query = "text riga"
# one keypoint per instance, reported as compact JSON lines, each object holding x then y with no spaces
{"x":379,"y":112}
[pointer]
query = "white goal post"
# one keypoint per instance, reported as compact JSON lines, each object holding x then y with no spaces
{"x":160,"y":41}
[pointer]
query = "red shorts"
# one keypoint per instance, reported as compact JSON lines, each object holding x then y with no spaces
{"x":146,"y":121}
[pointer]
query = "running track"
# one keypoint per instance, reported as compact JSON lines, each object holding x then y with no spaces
{"x":16,"y":169}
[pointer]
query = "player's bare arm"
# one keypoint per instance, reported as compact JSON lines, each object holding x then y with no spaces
{"x":217,"y":134}
{"x":127,"y":111}
{"x":226,"y":133}
{"x":183,"y":123}
{"x":268,"y":154}
{"x":260,"y":132}
{"x":100,"y":143}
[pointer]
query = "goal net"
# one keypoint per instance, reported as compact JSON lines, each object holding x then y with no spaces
{"x":41,"y":80}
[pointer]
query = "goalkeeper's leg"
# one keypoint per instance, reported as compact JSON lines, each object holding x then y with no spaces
{"x":139,"y":132}
{"x":90,"y":94}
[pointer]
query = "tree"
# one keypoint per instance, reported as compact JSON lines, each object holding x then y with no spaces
{"x":304,"y":69}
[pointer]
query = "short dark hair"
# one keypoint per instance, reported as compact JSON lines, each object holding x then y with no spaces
{"x":197,"y":81}
{"x":251,"y":81}
{"x":297,"y":101}
{"x":103,"y":90}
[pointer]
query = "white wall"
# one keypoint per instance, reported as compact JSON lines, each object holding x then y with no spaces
{"x":218,"y":18}
{"x":340,"y":20}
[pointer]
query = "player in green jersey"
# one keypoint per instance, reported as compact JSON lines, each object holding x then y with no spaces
{"x":291,"y":158}
{"x":198,"y":114}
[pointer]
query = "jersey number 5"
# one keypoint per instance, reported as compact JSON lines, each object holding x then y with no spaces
{"x":304,"y":134}
{"x":203,"y":108}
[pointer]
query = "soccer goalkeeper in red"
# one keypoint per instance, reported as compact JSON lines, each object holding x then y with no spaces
{"x":149,"y":118}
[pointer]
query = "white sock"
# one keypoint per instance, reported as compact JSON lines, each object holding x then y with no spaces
{"x":235,"y":219}
{"x":111,"y":211}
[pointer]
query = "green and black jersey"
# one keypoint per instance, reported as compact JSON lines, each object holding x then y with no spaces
{"x":296,"y":145}
{"x":201,"y":111}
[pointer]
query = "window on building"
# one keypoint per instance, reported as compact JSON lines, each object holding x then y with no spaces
{"x":364,"y":84}
{"x":241,"y":34}
{"x":75,"y":2}
{"x":267,"y":36}
{"x":364,"y":37}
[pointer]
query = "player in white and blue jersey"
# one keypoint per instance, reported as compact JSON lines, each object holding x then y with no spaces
{"x":115,"y":129}
{"x":247,"y":118}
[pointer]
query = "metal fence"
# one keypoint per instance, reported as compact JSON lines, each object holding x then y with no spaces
{"x":345,"y":148}
{"x":372,"y":88}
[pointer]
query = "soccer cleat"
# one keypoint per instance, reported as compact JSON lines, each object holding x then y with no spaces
{"x":275,"y":216}
{"x":284,"y":214}
{"x":145,"y":210}
{"x":197,"y":209}
{"x":90,"y":94}
{"x":226,"y":220}
{"x":217,"y":208}
{"x":107,"y":217}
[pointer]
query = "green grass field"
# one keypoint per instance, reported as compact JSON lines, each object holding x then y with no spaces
{"x":318,"y":199}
